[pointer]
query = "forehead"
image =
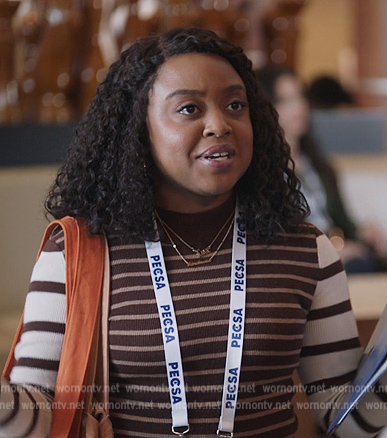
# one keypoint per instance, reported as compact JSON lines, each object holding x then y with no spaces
{"x":196,"y":71}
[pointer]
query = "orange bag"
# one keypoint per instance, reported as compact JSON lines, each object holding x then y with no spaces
{"x":76,"y":413}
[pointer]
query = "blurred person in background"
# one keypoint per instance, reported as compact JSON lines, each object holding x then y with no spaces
{"x":363,"y":249}
{"x":326,"y":92}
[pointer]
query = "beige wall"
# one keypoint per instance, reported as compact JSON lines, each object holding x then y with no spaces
{"x":326,"y":38}
{"x":22,"y":222}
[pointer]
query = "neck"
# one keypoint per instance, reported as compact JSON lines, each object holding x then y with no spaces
{"x":198,"y":229}
{"x":191,"y":204}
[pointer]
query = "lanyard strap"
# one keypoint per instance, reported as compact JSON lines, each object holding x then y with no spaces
{"x":170,"y":337}
{"x":236,"y":327}
{"x":170,"y":334}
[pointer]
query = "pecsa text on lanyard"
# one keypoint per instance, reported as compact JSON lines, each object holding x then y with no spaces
{"x":170,"y":336}
{"x":235,"y":331}
{"x":174,"y":366}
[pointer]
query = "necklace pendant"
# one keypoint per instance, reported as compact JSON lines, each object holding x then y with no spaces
{"x":203,"y":252}
{"x":199,"y":262}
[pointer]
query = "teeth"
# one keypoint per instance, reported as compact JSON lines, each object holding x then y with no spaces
{"x":219,"y":156}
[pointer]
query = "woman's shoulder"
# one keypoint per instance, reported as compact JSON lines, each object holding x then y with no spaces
{"x":55,"y":242}
{"x":304,"y":231}
{"x":309,"y":229}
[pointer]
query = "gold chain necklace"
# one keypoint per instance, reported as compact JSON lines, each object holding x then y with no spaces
{"x":198,"y":252}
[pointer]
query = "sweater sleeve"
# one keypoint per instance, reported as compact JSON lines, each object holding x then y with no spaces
{"x":331,"y":353}
{"x":26,"y":400}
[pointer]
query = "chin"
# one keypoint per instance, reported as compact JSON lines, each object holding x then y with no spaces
{"x":218,"y":193}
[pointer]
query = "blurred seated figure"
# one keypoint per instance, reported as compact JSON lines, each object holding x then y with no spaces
{"x":326,"y":92}
{"x":362,"y":249}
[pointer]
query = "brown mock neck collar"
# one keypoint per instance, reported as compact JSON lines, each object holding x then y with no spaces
{"x":198,"y":229}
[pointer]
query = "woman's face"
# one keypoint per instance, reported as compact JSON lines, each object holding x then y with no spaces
{"x":200,"y":131}
{"x":292,"y":108}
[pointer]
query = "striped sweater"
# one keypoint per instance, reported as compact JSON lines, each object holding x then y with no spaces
{"x":298,"y":317}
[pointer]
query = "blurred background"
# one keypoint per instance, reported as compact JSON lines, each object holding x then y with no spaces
{"x":54,"y":53}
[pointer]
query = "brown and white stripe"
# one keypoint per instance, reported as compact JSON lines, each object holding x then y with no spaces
{"x":298,"y":315}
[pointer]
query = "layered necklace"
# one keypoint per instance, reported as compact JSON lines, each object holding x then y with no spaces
{"x":204,"y":255}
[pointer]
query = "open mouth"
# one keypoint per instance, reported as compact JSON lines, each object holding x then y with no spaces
{"x":218,"y":156}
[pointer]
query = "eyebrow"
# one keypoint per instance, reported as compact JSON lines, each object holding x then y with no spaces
{"x":193,"y":92}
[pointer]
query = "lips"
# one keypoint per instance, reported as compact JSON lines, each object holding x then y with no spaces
{"x":218,"y":153}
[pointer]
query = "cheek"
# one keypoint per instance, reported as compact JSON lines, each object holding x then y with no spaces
{"x":163,"y":140}
{"x":166,"y":132}
{"x":167,"y":150}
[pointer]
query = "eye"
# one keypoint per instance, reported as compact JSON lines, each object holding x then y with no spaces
{"x":237,"y":105}
{"x":188,"y":109}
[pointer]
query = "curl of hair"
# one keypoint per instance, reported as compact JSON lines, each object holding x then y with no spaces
{"x":108,"y":176}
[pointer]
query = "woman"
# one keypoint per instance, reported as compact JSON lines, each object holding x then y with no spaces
{"x":179,"y":135}
{"x":362,"y":249}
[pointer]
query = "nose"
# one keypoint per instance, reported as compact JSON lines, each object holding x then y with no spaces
{"x":216,"y":125}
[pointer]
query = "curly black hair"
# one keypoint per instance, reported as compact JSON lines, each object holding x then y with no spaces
{"x":108,"y":177}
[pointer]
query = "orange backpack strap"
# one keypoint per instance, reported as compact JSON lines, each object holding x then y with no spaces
{"x":10,"y":362}
{"x":84,"y":255}
{"x":84,"y":275}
